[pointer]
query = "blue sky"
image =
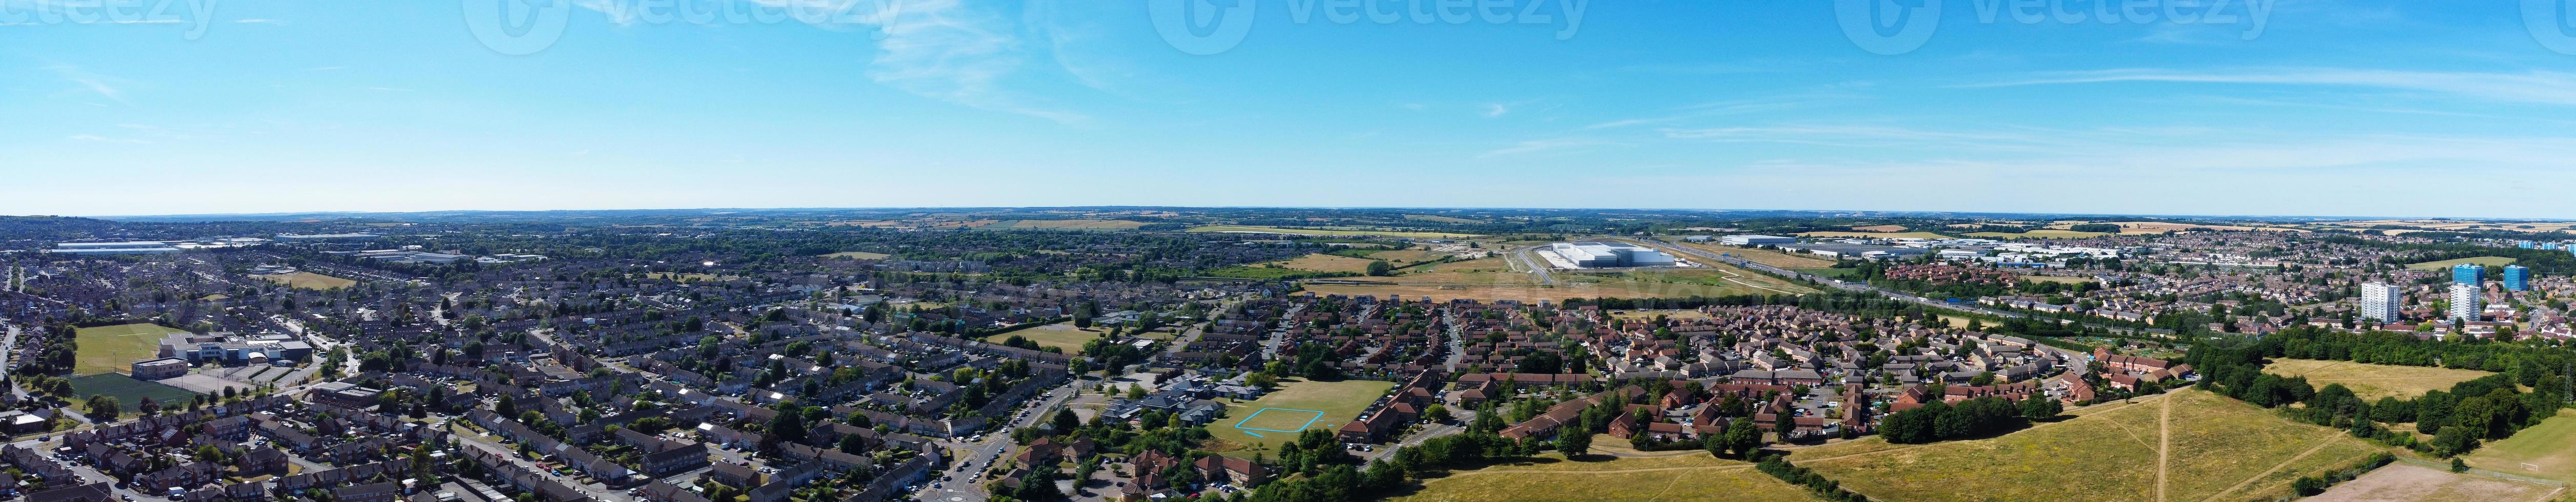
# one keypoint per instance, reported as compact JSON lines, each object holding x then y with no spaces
{"x":2324,"y":107}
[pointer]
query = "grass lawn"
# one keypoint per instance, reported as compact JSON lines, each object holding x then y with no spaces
{"x":1688,"y":477}
{"x":2490,"y":261}
{"x":1060,"y":335}
{"x":2040,"y":234}
{"x":1340,"y":403}
{"x":2373,"y":381}
{"x":128,"y":391}
{"x":309,"y":280}
{"x":2549,"y":448}
{"x":114,"y":349}
{"x":858,"y":255}
{"x":1299,"y":231}
{"x":2220,"y":448}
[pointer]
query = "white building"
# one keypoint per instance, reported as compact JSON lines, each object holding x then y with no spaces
{"x":2465,"y":302}
{"x":1602,"y":254}
{"x":2380,"y":301}
{"x":1755,"y":240}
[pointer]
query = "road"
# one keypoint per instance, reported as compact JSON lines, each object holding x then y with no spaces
{"x":1851,"y":286}
{"x":1525,"y":258}
{"x":959,"y":483}
{"x":505,"y":451}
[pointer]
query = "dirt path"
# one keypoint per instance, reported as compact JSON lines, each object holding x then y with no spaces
{"x":2321,"y":445}
{"x":2164,"y":449}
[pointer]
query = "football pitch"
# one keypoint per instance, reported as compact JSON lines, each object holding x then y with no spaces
{"x":1278,"y":421}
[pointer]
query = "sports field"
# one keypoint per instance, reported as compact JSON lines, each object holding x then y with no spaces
{"x":2373,"y":381}
{"x":2547,"y":450}
{"x":2490,"y":261}
{"x":1061,"y":335}
{"x":1673,"y":476}
{"x":309,"y":280}
{"x":1300,"y":231}
{"x":2187,"y":445}
{"x":1258,"y":426}
{"x":114,"y":349}
{"x":2402,"y":482}
{"x":128,"y":391}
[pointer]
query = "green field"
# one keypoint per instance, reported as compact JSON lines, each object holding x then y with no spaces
{"x":1340,"y":401}
{"x":2374,"y":381}
{"x":1688,"y":476}
{"x":2548,"y":448}
{"x":2219,"y":449}
{"x":128,"y":391}
{"x":2490,"y":261}
{"x":1298,"y":231}
{"x":114,"y":349}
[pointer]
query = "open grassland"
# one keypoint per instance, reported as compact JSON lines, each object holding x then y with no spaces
{"x":1440,"y":219}
{"x":1064,"y":225}
{"x":1340,"y":401}
{"x":1299,"y":231}
{"x":1405,"y":256}
{"x":309,"y":280}
{"x":1877,"y":235}
{"x":2490,"y":261}
{"x":2040,"y":234}
{"x":1693,"y":476}
{"x":1060,"y":335}
{"x":857,"y":255}
{"x":2414,"y":483}
{"x":114,"y":349}
{"x":2219,"y":449}
{"x":1327,"y":263}
{"x":2547,"y":450}
{"x":1765,"y":256}
{"x":2373,"y":381}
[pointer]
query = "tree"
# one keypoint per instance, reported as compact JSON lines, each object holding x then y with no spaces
{"x":1065,"y":421}
{"x":1743,"y":437}
{"x":104,"y":407}
{"x":1379,"y":268}
{"x":1573,"y":441}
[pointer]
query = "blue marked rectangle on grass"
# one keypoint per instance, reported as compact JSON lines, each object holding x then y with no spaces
{"x":1310,"y":421}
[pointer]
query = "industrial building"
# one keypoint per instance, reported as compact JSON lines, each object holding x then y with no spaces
{"x":1755,"y":240}
{"x":2381,"y":301}
{"x":1606,"y":255}
{"x":114,"y":248}
{"x":1845,"y":250}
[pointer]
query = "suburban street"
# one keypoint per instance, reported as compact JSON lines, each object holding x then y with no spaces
{"x":971,"y":458}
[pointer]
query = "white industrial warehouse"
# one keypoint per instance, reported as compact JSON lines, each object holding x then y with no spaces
{"x":1605,"y":255}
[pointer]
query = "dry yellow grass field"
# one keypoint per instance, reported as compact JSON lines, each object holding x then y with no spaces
{"x":1880,"y":228}
{"x":1693,"y":476}
{"x":309,"y":280}
{"x":2373,"y":381}
{"x":2415,"y":483}
{"x":1328,"y":263}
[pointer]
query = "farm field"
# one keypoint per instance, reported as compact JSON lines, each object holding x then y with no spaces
{"x":129,"y":392}
{"x":2541,"y":451}
{"x":2402,"y":482}
{"x":1877,"y":235}
{"x":1064,"y":225}
{"x":1275,"y":230}
{"x":2040,"y":234}
{"x":1441,"y":219}
{"x":2219,"y":448}
{"x":1765,"y":256}
{"x":858,"y":255}
{"x":309,"y":280}
{"x":1338,"y":402}
{"x":114,"y":349}
{"x":2373,"y":381}
{"x":2490,"y":261}
{"x":1692,"y":476}
{"x":1880,"y":228}
{"x":1328,"y":263}
{"x":1061,"y":335}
